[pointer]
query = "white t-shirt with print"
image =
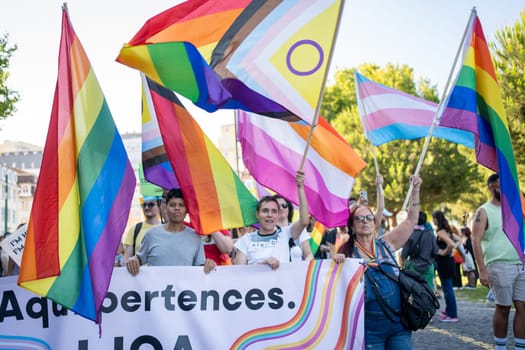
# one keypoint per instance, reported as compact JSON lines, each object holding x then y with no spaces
{"x":258,"y":248}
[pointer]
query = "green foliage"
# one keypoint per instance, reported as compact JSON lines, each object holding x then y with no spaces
{"x":509,"y":60}
{"x":8,"y":98}
{"x":451,"y":177}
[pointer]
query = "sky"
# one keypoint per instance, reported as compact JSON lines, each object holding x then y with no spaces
{"x":423,"y":34}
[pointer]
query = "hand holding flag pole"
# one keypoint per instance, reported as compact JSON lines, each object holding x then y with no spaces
{"x":439,"y":111}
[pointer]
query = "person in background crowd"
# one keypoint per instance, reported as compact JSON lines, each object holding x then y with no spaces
{"x":470,"y":268}
{"x":446,"y":265}
{"x":419,"y":251}
{"x":500,"y":268}
{"x":269,"y":244}
{"x":381,"y":331}
{"x":135,"y":234}
{"x":173,"y":243}
{"x":299,"y":248}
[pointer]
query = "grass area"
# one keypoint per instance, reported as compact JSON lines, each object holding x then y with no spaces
{"x":478,"y":295}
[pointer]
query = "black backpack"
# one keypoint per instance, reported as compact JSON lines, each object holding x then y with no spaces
{"x":418,"y":303}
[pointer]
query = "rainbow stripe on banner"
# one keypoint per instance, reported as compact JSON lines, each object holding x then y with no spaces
{"x":318,"y":313}
{"x":83,"y":194}
{"x":475,"y":105}
{"x":215,"y":196}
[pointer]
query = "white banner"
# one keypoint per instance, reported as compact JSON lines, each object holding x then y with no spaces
{"x":298,"y":306}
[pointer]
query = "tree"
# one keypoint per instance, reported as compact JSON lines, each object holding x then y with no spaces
{"x":449,"y":171}
{"x":8,"y":98}
{"x":509,"y":60}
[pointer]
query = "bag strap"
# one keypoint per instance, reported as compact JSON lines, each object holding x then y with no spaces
{"x":387,"y":309}
{"x":138,"y":227}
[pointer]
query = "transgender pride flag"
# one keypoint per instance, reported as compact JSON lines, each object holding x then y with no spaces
{"x":388,"y":114}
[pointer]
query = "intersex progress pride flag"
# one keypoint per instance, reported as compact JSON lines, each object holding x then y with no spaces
{"x":272,"y":151}
{"x":83,"y":194}
{"x":475,"y":105}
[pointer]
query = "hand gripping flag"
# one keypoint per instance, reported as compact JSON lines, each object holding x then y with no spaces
{"x":475,"y":105}
{"x":83,"y":194}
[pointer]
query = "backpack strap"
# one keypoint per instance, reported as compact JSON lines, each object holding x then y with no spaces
{"x":387,"y":309}
{"x":138,"y":227}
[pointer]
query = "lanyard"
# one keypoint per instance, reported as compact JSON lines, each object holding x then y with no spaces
{"x":372,"y":255}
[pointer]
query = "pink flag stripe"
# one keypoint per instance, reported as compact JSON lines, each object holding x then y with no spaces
{"x":370,"y":88}
{"x":273,"y":150}
{"x":381,"y":118}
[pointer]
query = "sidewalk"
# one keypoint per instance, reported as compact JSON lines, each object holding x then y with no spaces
{"x":473,"y":331}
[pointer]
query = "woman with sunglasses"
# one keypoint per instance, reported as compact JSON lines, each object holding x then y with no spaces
{"x":383,"y":330}
{"x":300,"y":247}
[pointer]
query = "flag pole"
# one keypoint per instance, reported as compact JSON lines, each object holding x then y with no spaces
{"x":235,"y":119}
{"x":439,"y":110}
{"x":321,"y":94}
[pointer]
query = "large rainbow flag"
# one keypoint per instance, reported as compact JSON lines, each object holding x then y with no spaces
{"x":267,"y":57}
{"x":215,"y":196}
{"x":273,"y":149}
{"x":475,"y":105}
{"x":83,"y":194}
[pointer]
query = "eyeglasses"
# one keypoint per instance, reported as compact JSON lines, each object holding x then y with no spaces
{"x":362,"y":218}
{"x":284,"y":205}
{"x":149,"y":205}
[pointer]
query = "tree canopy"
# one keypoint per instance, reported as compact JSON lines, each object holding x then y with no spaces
{"x":8,"y":97}
{"x":451,"y":178}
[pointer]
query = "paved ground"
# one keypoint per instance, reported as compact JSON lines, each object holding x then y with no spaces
{"x":473,"y":331}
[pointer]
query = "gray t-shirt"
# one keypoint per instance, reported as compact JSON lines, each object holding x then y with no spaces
{"x":162,"y":248}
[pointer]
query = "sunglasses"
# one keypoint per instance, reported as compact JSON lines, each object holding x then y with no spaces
{"x":284,"y":205}
{"x":362,"y":218}
{"x":149,"y":205}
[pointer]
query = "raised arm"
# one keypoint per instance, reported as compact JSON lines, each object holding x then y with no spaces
{"x":380,"y":201}
{"x":478,"y":230}
{"x":223,"y":242}
{"x":298,"y":226}
{"x":399,"y":235}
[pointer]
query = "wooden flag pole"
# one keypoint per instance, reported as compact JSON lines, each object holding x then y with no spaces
{"x":439,"y":110}
{"x":321,"y":94}
{"x":235,"y":121}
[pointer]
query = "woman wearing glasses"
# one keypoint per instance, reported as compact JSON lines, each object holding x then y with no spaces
{"x":300,"y":247}
{"x":383,"y":330}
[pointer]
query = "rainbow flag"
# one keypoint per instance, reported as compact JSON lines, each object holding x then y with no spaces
{"x":388,"y":114}
{"x":215,"y":197}
{"x":155,"y":163}
{"x":475,"y":105}
{"x":83,"y":194}
{"x":266,"y":57}
{"x":272,"y":150}
{"x":316,"y":236}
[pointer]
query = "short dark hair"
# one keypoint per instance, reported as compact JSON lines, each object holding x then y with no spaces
{"x":290,"y":206}
{"x":492,"y":179}
{"x":422,"y":218}
{"x":266,"y":199}
{"x":174,"y":193}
